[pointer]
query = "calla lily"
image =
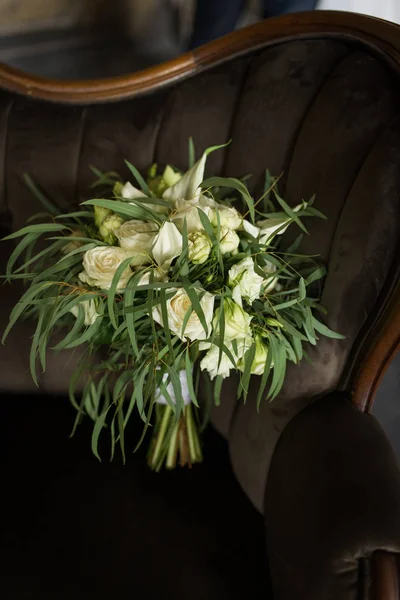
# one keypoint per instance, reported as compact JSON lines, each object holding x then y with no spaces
{"x":129,"y":192}
{"x":167,"y":245}
{"x":188,"y":187}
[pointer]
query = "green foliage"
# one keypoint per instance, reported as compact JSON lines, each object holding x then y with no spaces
{"x":140,"y":357}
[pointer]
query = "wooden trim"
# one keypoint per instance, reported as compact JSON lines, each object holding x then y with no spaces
{"x":384,"y":577}
{"x":381,"y":345}
{"x":380,"y":34}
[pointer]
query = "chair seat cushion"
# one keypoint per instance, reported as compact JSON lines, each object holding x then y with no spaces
{"x":75,"y":528}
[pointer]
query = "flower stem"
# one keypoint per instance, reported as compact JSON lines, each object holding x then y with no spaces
{"x":160,"y":436}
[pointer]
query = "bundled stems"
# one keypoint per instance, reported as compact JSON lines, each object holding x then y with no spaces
{"x":174,"y":440}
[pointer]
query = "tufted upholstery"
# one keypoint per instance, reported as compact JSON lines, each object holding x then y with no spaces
{"x":321,"y":110}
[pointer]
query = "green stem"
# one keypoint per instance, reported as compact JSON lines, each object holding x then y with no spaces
{"x":160,"y":437}
{"x":173,"y":448}
{"x":190,"y":432}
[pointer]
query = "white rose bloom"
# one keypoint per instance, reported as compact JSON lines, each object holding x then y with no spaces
{"x":199,"y":246}
{"x":210,"y":361}
{"x":177,"y":308}
{"x":246,"y":283}
{"x":167,"y":245}
{"x":237,"y":321}
{"x":100,"y":264}
{"x":229,"y":217}
{"x":136,"y":237}
{"x":89,"y":308}
{"x":189,"y":211}
{"x":270,"y":282}
{"x":229,"y":240}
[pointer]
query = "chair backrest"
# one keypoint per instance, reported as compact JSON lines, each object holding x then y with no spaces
{"x":314,"y":97}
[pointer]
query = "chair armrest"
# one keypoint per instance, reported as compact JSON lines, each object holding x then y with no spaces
{"x":333,"y":501}
{"x":385,"y":576}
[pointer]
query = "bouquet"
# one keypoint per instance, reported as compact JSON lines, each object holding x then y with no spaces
{"x":159,"y":282}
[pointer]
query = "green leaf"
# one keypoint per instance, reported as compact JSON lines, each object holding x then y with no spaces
{"x":142,"y":183}
{"x":236,"y":184}
{"x":21,"y":306}
{"x":264,"y":379}
{"x":316,"y":275}
{"x":129,"y":298}
{"x":113,"y":289}
{"x":77,"y":214}
{"x":164,"y":314}
{"x":35,"y":345}
{"x":139,"y":383}
{"x":192,"y":153}
{"x":54,"y":210}
{"x":189,"y":376}
{"x":126,"y":209}
{"x":18,"y":250}
{"x":37,"y":229}
{"x":52,"y":248}
{"x":290,"y":212}
{"x":194,"y":299}
{"x":120,"y":421}
{"x":302,"y":289}
{"x":248,"y":363}
{"x":88,"y":334}
{"x":98,"y":426}
{"x":324,"y":330}
{"x":217,"y":390}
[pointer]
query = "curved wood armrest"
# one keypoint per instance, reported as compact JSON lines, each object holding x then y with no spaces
{"x":385,"y":577}
{"x":382,"y":35}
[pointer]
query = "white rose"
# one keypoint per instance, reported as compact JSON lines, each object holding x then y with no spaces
{"x":210,"y":361}
{"x":167,"y":245}
{"x":228,"y":217}
{"x":229,"y":240}
{"x":237,"y":321}
{"x":137,"y":238}
{"x":246,"y":283}
{"x":260,"y":358}
{"x":189,"y":211}
{"x":110,"y":227}
{"x":270,"y":282}
{"x":90,"y":312}
{"x":177,"y":308}
{"x":199,"y":246}
{"x":100,"y":264}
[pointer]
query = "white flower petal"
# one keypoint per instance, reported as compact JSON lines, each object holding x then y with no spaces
{"x":167,"y":245}
{"x":129,"y":192}
{"x":250,"y":228}
{"x":187,"y":188}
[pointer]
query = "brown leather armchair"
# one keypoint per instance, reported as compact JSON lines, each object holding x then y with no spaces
{"x":315,"y":97}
